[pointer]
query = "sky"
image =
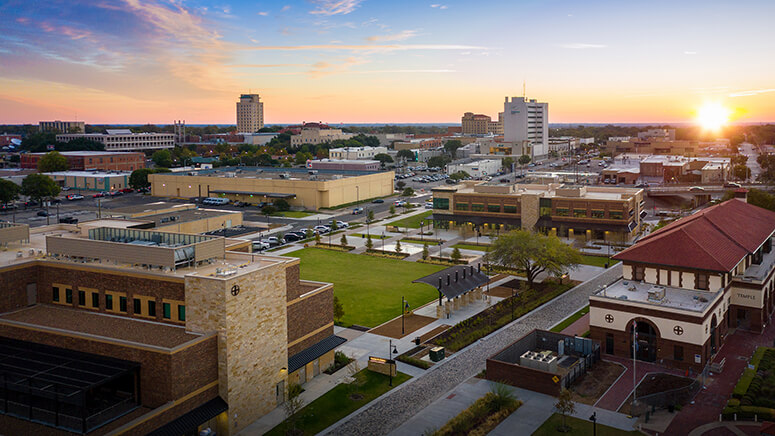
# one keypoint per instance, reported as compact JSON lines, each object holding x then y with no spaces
{"x":361,"y":61}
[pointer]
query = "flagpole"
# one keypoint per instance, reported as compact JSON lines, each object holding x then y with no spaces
{"x":634,"y":352}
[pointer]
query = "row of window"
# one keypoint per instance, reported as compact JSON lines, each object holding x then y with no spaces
{"x":701,"y":281}
{"x":117,"y":302}
{"x":582,"y":213}
{"x":492,"y":208}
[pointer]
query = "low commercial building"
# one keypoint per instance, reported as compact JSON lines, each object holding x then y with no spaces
{"x":353,"y":153}
{"x":686,"y":287}
{"x":62,"y":126}
{"x":478,"y":168}
{"x":175,"y":217}
{"x":563,"y":145}
{"x":651,"y":146}
{"x":258,"y":138}
{"x":418,"y":144}
{"x":571,"y":211}
{"x":475,"y":124}
{"x":387,"y":139}
{"x":125,"y":140}
{"x":91,"y":160}
{"x":92,"y":180}
{"x":344,"y":165}
{"x":629,"y":167}
{"x":136,"y":331}
{"x":9,"y":139}
{"x":313,"y":134}
{"x":323,"y":189}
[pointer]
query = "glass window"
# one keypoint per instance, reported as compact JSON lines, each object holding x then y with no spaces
{"x":108,"y":302}
{"x":181,"y":312}
{"x":678,"y":353}
{"x":598,"y":214}
{"x":55,"y":294}
{"x":509,"y":209}
{"x":638,"y":272}
{"x":151,"y":308}
{"x":138,"y":306}
{"x":122,"y":304}
{"x":545,"y":211}
{"x":441,"y":203}
{"x":475,"y":207}
{"x":82,"y":298}
{"x":165,"y":310}
{"x":494,"y":208}
{"x":702,"y":281}
{"x":579,"y":213}
{"x":615,"y":215}
{"x":562,"y":212}
{"x":95,"y":299}
{"x":461,"y":206}
{"x":68,"y":296}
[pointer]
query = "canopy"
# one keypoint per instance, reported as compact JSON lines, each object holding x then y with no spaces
{"x":456,"y":280}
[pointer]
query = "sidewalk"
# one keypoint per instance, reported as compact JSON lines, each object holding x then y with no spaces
{"x":618,"y":393}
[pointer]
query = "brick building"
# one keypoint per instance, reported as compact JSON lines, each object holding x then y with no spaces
{"x":134,"y":331}
{"x":686,"y":286}
{"x":91,"y":160}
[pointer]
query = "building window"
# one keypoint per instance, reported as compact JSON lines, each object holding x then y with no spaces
{"x":638,"y":273}
{"x":509,"y":208}
{"x":615,"y":215}
{"x":580,"y":213}
{"x":151,"y":308}
{"x":138,"y":306}
{"x":562,"y":212}
{"x":494,"y":208}
{"x":701,"y":281}
{"x":598,"y":214}
{"x":68,"y":296}
{"x":678,"y":353}
{"x":181,"y":313}
{"x":476,"y":207}
{"x":441,"y":203}
{"x":95,"y":300}
{"x":165,"y":310}
{"x":108,"y":302}
{"x":461,"y":206}
{"x":122,"y":304}
{"x":55,"y":294}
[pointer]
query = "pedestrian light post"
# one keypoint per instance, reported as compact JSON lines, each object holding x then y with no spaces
{"x":593,"y":418}
{"x":391,"y":350}
{"x":404,"y":309}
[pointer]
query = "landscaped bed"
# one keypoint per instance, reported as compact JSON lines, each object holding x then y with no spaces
{"x":570,"y":320}
{"x":482,"y":416}
{"x":412,"y":222}
{"x":595,"y":382}
{"x":369,"y":287}
{"x":579,"y":427}
{"x":487,"y":321}
{"x":464,"y":246}
{"x":339,"y":402}
{"x":654,"y":384}
{"x":754,"y":394}
{"x":597,"y":260}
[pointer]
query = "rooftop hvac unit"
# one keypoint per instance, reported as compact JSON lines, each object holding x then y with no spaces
{"x":656,"y":293}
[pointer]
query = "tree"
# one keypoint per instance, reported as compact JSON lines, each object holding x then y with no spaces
{"x":282,"y":205}
{"x":398,"y":246}
{"x":338,"y":309}
{"x":460,"y":175}
{"x":439,"y":161}
{"x":506,"y":163}
{"x":405,"y":154}
{"x":383,"y":158}
{"x":343,"y":241}
{"x":51,"y":162}
{"x":9,"y":191}
{"x":451,"y":146}
{"x":741,"y":171}
{"x":565,"y":406}
{"x":524,"y":159}
{"x":425,"y":252}
{"x":162,"y":158}
{"x":39,"y":186}
{"x":408,"y":192}
{"x":739,"y":159}
{"x":292,"y":405}
{"x":533,"y":253}
{"x":370,"y":216}
{"x":392,"y":209}
{"x":139,"y":178}
{"x":456,"y":255}
{"x":317,"y":237}
{"x":369,"y":243}
{"x":268,"y":210}
{"x":400,"y":184}
{"x":760,"y":198}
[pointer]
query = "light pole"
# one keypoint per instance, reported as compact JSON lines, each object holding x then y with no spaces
{"x":383,"y":242}
{"x":357,"y":194}
{"x":391,"y":351}
{"x":439,"y":248}
{"x":404,"y":308}
{"x":593,"y":418}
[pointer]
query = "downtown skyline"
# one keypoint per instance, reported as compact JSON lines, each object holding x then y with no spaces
{"x":354,"y":61}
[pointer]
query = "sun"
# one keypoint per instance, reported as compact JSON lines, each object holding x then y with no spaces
{"x":713,"y":116}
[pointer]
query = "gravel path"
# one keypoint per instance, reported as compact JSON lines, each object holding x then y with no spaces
{"x":397,"y":406}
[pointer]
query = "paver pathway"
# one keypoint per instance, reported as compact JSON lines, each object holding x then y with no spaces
{"x":622,"y":388}
{"x":400,"y":404}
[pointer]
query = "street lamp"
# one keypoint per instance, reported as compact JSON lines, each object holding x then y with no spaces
{"x":383,"y":242}
{"x":593,"y":418}
{"x":513,"y":297}
{"x":391,"y":350}
{"x":404,"y":309}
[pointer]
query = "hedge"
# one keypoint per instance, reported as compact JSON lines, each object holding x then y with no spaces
{"x":422,"y":364}
{"x":744,"y":383}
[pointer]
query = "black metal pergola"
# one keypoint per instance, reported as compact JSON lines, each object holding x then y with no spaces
{"x":455,"y":281}
{"x":63,"y":388}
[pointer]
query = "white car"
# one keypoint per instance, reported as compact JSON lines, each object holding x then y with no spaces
{"x":260,"y":245}
{"x":73,"y":197}
{"x":342,"y":225}
{"x":322,"y":229}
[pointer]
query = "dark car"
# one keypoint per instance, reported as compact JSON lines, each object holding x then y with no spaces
{"x":378,"y":200}
{"x":291,"y":237}
{"x":42,"y":213}
{"x":68,"y":220}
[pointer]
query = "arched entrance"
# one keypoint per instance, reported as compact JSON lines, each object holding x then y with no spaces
{"x":646,"y":336}
{"x":713,"y":336}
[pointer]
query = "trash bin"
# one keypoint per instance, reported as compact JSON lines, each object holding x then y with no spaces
{"x":417,"y":340}
{"x":436,"y":354}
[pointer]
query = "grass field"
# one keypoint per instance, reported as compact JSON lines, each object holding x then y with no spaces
{"x":370,"y":288}
{"x":571,"y":319}
{"x":336,"y":403}
{"x":596,"y":260}
{"x":412,"y":222}
{"x":463,"y":246}
{"x":579,"y":427}
{"x":294,"y":213}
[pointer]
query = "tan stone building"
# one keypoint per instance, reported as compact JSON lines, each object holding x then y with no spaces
{"x":479,"y":124}
{"x":313,"y":134}
{"x":250,"y":113}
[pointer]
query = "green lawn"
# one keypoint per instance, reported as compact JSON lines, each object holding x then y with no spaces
{"x":373,"y":235}
{"x":579,"y":427}
{"x":571,"y":319}
{"x":294,"y":213}
{"x":336,"y":403}
{"x":471,"y":247}
{"x":596,"y":260}
{"x":370,"y":288}
{"x":412,"y":221}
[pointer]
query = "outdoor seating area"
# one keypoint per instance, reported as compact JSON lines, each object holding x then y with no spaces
{"x":460,"y":285}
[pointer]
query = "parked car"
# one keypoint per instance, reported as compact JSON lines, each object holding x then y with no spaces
{"x":732,"y":185}
{"x":68,"y":220}
{"x":428,"y":205}
{"x":126,"y":190}
{"x":98,"y":195}
{"x":357,"y":211}
{"x":273,"y":241}
{"x":144,"y":190}
{"x":341,"y":225}
{"x":399,"y":203}
{"x":696,"y":189}
{"x":291,"y":237}
{"x":260,"y":245}
{"x":42,"y":213}
{"x":378,"y":200}
{"x":73,"y":197}
{"x":65,"y":188}
{"x":116,"y":193}
{"x":6,"y":207}
{"x":642,"y":185}
{"x":322,"y":229}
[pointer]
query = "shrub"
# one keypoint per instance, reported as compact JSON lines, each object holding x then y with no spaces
{"x":744,"y":383}
{"x":478,"y":419}
{"x":734,"y":402}
{"x":761,"y":412}
{"x":414,"y":361}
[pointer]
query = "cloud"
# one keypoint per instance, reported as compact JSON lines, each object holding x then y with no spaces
{"x":262,"y":13}
{"x":324,"y":68}
{"x":400,"y":36}
{"x":690,"y":52}
{"x":751,"y":92}
{"x":439,"y":6}
{"x":335,"y":7}
{"x":265,"y":65}
{"x":285,"y":8}
{"x":581,"y":46}
{"x":389,"y":47}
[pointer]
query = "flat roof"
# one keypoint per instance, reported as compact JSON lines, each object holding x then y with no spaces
{"x":186,"y":215}
{"x":674,"y":298}
{"x":151,"y":207}
{"x":90,"y":173}
{"x":272,"y":173}
{"x":102,"y":325}
{"x":258,"y":193}
{"x":89,"y":153}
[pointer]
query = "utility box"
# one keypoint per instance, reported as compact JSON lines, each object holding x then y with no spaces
{"x":436,"y":354}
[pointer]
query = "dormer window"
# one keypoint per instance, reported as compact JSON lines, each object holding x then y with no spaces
{"x":701,"y":281}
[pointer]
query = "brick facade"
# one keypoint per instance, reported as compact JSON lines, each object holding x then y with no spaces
{"x":520,"y":376}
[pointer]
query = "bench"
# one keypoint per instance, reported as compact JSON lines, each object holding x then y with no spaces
{"x":718,"y":366}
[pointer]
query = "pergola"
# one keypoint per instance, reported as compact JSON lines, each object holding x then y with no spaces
{"x":455,"y":283}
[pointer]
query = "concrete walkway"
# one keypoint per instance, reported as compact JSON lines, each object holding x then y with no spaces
{"x":714,"y":428}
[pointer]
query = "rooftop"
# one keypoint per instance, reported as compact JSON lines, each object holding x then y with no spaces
{"x":553,"y":190}
{"x":89,"y":153}
{"x":713,"y":239}
{"x":90,"y":173}
{"x":273,"y":173}
{"x":150,"y":208}
{"x":664,"y":296}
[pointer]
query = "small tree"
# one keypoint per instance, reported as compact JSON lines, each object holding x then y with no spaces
{"x":317,"y":237}
{"x":282,"y":205}
{"x":338,"y":309}
{"x":343,"y":240}
{"x":425,"y":252}
{"x":524,"y":159}
{"x":39,"y":186}
{"x":51,"y":162}
{"x":139,"y":178}
{"x":408,"y":192}
{"x":369,"y":243}
{"x":405,"y":154}
{"x":162,"y":158}
{"x":9,"y":191}
{"x":565,"y":406}
{"x":392,"y":209}
{"x":292,"y":405}
{"x":400,"y":184}
{"x":456,"y":255}
{"x":398,"y":246}
{"x":370,"y":216}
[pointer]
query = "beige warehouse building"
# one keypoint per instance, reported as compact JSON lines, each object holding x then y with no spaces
{"x":321,"y":189}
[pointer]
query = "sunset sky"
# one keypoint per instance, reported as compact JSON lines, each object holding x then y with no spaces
{"x":138,"y":61}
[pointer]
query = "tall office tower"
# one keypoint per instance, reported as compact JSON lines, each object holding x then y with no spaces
{"x":62,"y":126}
{"x":250,"y":113}
{"x":527,"y":121}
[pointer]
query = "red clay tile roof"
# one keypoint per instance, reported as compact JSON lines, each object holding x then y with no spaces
{"x":714,"y":239}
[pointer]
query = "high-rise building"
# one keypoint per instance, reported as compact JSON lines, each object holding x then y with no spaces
{"x":62,"y":126}
{"x":527,"y":120}
{"x":250,"y":113}
{"x":475,"y":124}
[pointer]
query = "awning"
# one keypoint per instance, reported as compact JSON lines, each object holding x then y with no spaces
{"x":260,"y":194}
{"x":309,"y":354}
{"x":455,"y":280}
{"x":193,"y":419}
